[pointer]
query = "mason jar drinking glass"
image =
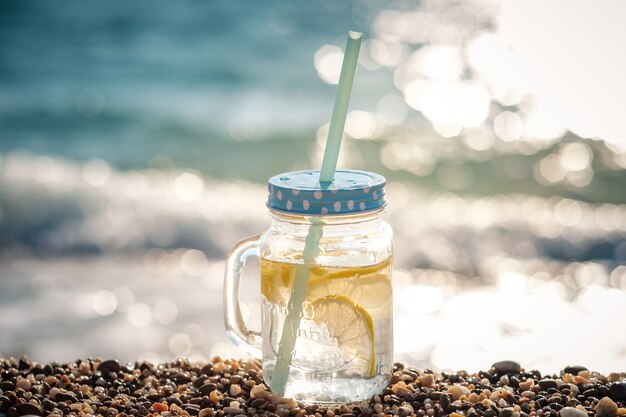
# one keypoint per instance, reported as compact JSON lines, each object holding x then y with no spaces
{"x":327,"y":305}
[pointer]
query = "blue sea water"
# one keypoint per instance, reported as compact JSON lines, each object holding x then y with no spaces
{"x":167,"y":78}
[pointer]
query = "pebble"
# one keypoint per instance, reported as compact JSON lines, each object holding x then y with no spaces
{"x":574,"y":369}
{"x":50,"y":380}
{"x":546,"y":384}
{"x":572,"y":387}
{"x":257,"y":390}
{"x":63,"y":396}
{"x":402,"y":411}
{"x":235,"y":390}
{"x":397,"y":386}
{"x":606,"y":408}
{"x":456,"y":391}
{"x":159,"y":407}
{"x":7,"y":386}
{"x":23,"y":383}
{"x":109,"y":366}
{"x":507,"y":367}
{"x":53,"y":393}
{"x":617,"y":391}
{"x":572,"y":412}
{"x":526,"y":385}
{"x":214,"y":397}
{"x":28,"y":408}
{"x":506,"y":412}
{"x":227,"y":388}
{"x":426,"y":380}
{"x":205,"y":412}
{"x":207,"y":388}
{"x":405,"y":394}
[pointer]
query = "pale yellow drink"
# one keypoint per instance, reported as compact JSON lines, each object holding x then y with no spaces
{"x":345,"y":328}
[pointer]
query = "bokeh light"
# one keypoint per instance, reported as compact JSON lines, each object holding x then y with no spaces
{"x":124,"y":185}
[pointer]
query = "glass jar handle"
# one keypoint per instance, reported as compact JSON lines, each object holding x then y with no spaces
{"x":239,"y":334}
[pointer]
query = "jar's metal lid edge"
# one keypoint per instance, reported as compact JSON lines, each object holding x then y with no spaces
{"x":297,"y":212}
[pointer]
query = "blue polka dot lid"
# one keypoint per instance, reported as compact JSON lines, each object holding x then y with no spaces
{"x":300,"y":192}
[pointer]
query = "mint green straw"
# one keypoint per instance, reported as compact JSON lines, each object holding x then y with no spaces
{"x":311,"y":245}
{"x":338,"y":120}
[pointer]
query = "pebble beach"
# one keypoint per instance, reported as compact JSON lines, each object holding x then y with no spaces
{"x":137,"y":142}
{"x":219,"y":388}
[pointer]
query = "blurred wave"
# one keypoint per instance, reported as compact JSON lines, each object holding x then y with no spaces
{"x":54,"y":206}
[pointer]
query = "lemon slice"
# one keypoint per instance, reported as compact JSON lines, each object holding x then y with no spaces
{"x":353,"y":328}
{"x":328,"y":273}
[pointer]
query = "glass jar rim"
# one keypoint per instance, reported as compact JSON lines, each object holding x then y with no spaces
{"x":336,"y":219}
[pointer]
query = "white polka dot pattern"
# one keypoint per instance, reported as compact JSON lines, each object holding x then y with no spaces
{"x":351,"y":191}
